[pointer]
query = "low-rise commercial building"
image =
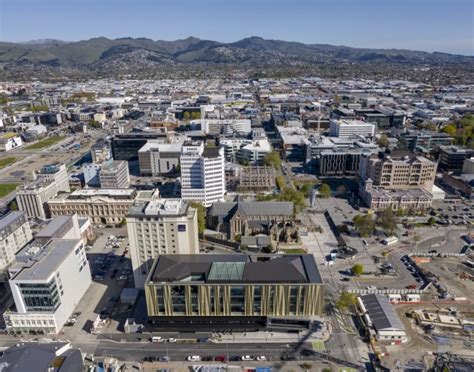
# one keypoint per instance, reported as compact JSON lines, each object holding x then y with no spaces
{"x":381,"y":320}
{"x":225,"y":291}
{"x":160,"y":226}
{"x":102,"y":206}
{"x":15,"y":233}
{"x":47,"y":283}
{"x":451,"y":158}
{"x":424,"y":141}
{"x":10,"y":141}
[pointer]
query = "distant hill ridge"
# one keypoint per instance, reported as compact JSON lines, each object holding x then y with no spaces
{"x":105,"y":56}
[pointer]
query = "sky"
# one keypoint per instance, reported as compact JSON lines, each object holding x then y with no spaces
{"x":428,"y":25}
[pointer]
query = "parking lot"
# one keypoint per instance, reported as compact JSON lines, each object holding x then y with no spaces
{"x":111,"y":272}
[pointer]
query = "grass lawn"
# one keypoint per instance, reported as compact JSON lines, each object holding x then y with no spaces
{"x":45,"y":143}
{"x":7,"y":188}
{"x":7,"y":161}
{"x":294,"y":251}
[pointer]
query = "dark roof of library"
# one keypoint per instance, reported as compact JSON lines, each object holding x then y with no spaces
{"x":235,"y":268}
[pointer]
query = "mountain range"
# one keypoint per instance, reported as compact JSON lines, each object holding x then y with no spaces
{"x":135,"y":53}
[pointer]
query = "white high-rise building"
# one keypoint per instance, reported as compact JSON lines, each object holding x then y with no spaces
{"x":47,"y":283}
{"x":202,"y":173}
{"x":56,"y":173}
{"x":15,"y":233}
{"x":160,"y":226}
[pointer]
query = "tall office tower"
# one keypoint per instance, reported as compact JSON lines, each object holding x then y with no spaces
{"x":202,"y":173}
{"x":160,"y":226}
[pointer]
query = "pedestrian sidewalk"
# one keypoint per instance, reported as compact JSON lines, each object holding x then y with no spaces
{"x":266,"y":336}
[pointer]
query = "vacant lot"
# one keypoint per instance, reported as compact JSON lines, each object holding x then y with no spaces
{"x":7,"y":188}
{"x":45,"y":143}
{"x":7,"y":161}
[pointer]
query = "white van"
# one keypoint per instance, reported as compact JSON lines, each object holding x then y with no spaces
{"x":156,"y":339}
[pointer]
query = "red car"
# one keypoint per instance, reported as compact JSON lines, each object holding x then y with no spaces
{"x":220,"y":358}
{"x":411,"y":286}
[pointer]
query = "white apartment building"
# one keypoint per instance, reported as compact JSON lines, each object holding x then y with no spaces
{"x":202,"y":173}
{"x":114,"y":175}
{"x":47,"y":283}
{"x":15,"y":233}
{"x":351,"y":128}
{"x":160,"y":226}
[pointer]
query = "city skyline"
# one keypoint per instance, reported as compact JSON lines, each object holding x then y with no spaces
{"x":442,"y":26}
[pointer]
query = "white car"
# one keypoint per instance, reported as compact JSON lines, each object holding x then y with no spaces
{"x":261,"y":358}
{"x":371,"y":288}
{"x":193,"y":358}
{"x":172,"y":340}
{"x":246,"y":358}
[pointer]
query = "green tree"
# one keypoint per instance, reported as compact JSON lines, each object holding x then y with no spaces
{"x":364,"y":224}
{"x":388,"y":221}
{"x":186,"y":115}
{"x":357,"y":269}
{"x":306,"y":188}
{"x":280,"y":182}
{"x":123,"y":222}
{"x":450,"y":129}
{"x":346,"y":300}
{"x":292,"y":195}
{"x":431,"y":221}
{"x":3,"y":100}
{"x":267,"y":249}
{"x":273,"y":159}
{"x":383,"y":141}
{"x":95,"y":124}
{"x":39,"y":108}
{"x":13,"y":205}
{"x":324,"y":191}
{"x":201,"y":213}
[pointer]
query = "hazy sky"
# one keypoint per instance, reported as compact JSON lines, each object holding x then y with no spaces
{"x":430,"y":25}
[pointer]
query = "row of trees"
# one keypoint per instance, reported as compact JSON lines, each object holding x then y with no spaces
{"x":365,"y":224}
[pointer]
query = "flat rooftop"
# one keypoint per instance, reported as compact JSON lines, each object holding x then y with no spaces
{"x":10,"y":218}
{"x":159,"y":207}
{"x":235,"y":268}
{"x":48,"y":261}
{"x":54,"y":225}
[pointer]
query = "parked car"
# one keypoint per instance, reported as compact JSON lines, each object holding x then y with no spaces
{"x":246,"y":358}
{"x":261,"y":358}
{"x":193,"y":358}
{"x":220,"y":358}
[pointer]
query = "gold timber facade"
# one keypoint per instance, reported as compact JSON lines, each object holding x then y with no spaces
{"x":234,"y":289}
{"x":279,"y":300}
